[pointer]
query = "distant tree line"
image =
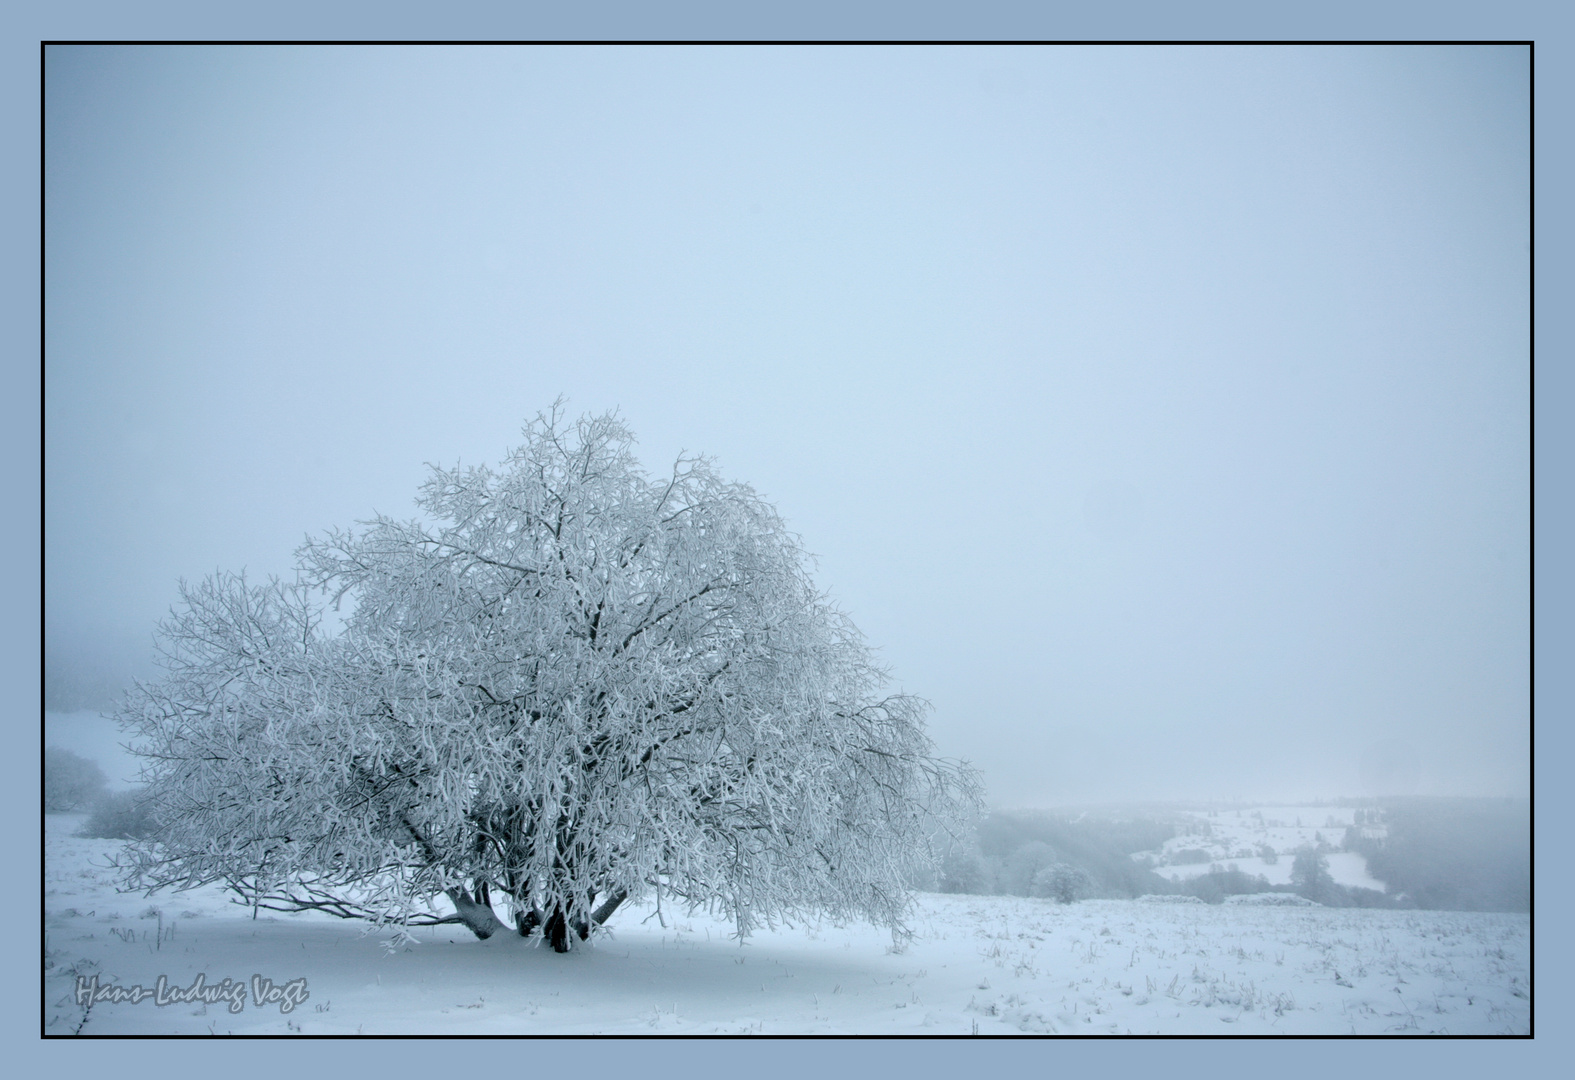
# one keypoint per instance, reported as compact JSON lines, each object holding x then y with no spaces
{"x":1060,"y":857}
{"x":1453,"y":854}
{"x":1442,"y":854}
{"x":1082,"y":857}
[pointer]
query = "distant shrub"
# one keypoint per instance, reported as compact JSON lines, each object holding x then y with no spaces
{"x":120,"y":815}
{"x":1063,"y":883}
{"x":1190,"y":857}
{"x":1269,"y":856}
{"x":71,"y":782}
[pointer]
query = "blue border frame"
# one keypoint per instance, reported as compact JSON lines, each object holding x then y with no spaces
{"x":916,"y":19}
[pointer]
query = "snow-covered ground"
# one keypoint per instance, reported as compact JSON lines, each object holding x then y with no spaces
{"x":991,"y":965}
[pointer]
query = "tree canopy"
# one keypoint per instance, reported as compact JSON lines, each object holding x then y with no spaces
{"x":568,"y":683}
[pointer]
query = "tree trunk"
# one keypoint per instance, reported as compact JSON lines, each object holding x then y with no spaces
{"x":557,"y":930}
{"x":610,"y":905}
{"x":559,"y":927}
{"x":481,"y":919}
{"x":600,"y":915}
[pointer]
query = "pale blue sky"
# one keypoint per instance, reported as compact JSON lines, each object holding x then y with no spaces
{"x":1162,"y":413}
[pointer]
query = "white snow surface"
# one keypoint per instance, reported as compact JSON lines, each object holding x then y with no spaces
{"x":992,"y":966}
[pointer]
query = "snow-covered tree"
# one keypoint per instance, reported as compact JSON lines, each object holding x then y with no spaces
{"x":1063,"y":883}
{"x":570,"y":684}
{"x":1310,"y":874}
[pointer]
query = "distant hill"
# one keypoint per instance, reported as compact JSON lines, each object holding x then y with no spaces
{"x":1453,"y":854}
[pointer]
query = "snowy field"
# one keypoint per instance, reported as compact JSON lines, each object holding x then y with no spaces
{"x":987,"y":965}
